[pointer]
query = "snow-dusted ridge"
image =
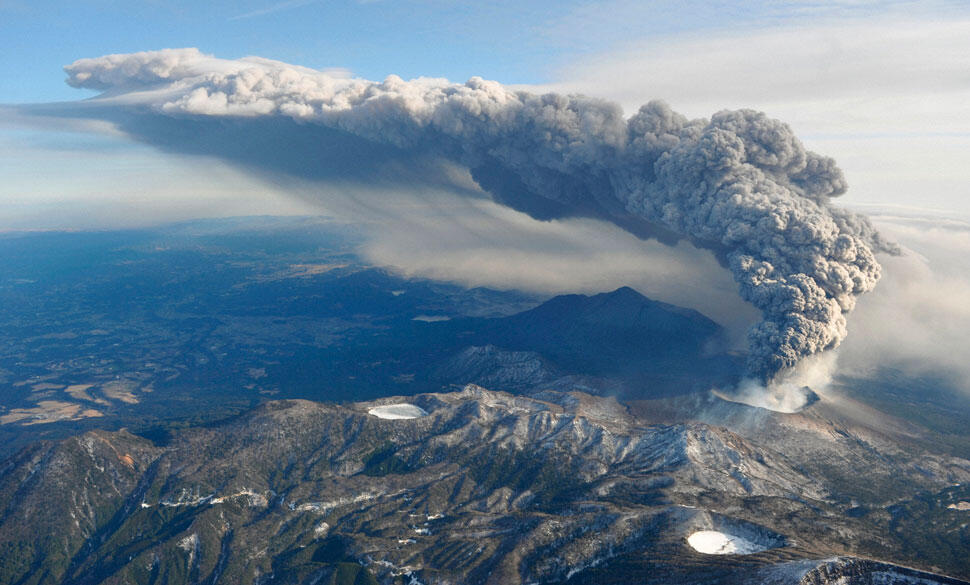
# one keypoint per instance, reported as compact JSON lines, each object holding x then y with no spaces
{"x":653,"y":492}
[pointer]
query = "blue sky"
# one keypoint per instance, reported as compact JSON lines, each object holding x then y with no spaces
{"x":510,"y":41}
{"x":504,"y":40}
{"x":373,"y":39}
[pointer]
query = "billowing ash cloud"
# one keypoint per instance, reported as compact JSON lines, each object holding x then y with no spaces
{"x":740,"y":184}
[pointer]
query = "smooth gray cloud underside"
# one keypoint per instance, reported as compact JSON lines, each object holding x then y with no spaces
{"x":739,"y":184}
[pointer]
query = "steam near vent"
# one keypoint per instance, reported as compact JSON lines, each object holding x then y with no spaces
{"x":739,"y":184}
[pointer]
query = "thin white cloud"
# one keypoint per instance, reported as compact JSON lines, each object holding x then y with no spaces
{"x":875,"y":65}
{"x":279,"y":7}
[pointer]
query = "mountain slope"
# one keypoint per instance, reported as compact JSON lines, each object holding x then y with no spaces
{"x":487,"y":488}
{"x":651,"y":348}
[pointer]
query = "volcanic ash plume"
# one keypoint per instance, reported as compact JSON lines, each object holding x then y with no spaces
{"x":740,"y":184}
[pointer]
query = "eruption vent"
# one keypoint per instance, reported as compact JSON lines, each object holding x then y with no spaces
{"x":739,"y":184}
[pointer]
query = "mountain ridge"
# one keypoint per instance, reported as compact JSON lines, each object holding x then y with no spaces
{"x":543,"y":488}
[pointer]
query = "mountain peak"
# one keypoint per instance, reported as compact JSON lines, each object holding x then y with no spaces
{"x":619,"y":334}
{"x":624,"y":292}
{"x":623,"y":312}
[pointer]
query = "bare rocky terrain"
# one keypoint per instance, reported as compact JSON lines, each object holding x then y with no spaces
{"x":487,"y":488}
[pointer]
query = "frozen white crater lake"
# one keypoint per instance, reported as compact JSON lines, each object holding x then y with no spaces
{"x":398,"y":411}
{"x":712,"y":542}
